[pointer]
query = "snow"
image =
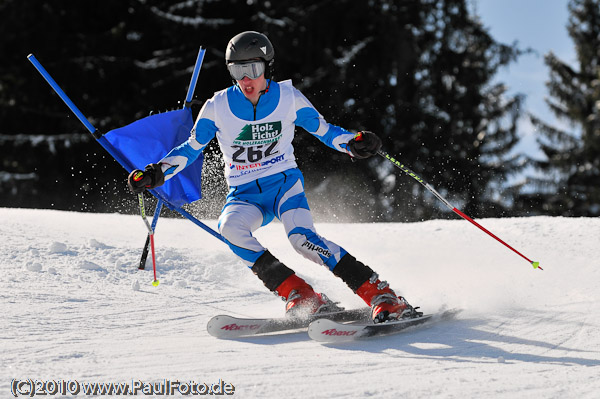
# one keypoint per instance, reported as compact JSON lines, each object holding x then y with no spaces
{"x":75,"y":307}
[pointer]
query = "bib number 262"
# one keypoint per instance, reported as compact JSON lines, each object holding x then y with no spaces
{"x":254,"y":153}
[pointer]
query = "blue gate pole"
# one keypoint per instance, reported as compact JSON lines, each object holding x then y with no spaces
{"x":61,"y":94}
{"x":199,"y":223}
{"x":190,"y":93}
{"x":159,"y":205}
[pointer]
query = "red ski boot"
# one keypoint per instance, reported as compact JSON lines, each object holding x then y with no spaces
{"x":385,"y":304}
{"x":302,"y":300}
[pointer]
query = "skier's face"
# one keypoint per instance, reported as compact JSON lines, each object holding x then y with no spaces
{"x":252,"y":87}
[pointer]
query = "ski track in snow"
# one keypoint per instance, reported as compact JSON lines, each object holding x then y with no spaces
{"x":75,"y":307}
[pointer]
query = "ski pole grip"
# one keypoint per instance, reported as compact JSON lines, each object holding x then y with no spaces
{"x":138,"y":176}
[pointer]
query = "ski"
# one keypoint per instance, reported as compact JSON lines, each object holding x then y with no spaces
{"x":225,"y":326}
{"x":327,"y":330}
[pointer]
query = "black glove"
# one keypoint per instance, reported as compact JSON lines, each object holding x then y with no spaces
{"x":152,"y":176}
{"x":364,"y":145}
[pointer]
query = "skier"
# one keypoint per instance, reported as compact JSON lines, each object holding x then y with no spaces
{"x":254,"y":121}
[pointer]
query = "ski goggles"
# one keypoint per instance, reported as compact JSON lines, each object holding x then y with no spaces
{"x":252,"y":69}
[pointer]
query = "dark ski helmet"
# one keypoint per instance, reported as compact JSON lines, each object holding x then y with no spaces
{"x":250,"y":45}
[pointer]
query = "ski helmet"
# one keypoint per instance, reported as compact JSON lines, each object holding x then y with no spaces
{"x":250,"y":45}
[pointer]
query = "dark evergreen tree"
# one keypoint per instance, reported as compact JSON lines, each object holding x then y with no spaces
{"x":568,"y":182}
{"x":467,"y":125}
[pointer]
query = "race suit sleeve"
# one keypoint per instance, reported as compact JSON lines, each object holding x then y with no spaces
{"x":308,"y":118}
{"x":202,"y":133}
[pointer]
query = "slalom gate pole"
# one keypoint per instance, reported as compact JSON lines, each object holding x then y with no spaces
{"x":197,"y":66}
{"x":61,"y":94}
{"x":198,"y":223}
{"x":150,"y":230}
{"x":405,"y":169}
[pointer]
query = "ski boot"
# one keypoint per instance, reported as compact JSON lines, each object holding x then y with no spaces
{"x":385,"y":304}
{"x":302,"y":300}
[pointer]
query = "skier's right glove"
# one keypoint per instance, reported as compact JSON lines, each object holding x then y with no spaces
{"x":151,"y":177}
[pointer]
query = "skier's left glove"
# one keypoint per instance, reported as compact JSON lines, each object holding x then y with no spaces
{"x":364,"y":145}
{"x":151,"y":177}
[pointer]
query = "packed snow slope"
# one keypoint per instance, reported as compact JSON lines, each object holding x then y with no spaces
{"x":75,"y":307}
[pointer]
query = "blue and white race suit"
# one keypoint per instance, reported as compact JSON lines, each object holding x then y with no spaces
{"x":260,"y":167}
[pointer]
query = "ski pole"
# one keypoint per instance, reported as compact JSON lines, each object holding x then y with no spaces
{"x":139,"y":176}
{"x":405,"y":169}
{"x":144,"y":256}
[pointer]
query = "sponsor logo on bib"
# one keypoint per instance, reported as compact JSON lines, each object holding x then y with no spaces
{"x":258,"y":134}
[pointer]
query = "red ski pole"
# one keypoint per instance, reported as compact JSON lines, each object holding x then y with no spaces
{"x":398,"y":164}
